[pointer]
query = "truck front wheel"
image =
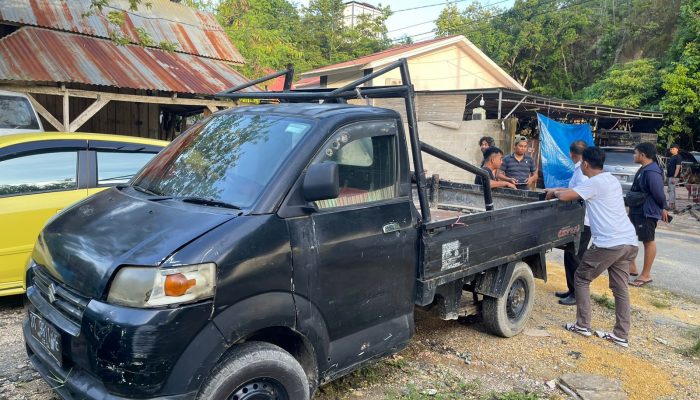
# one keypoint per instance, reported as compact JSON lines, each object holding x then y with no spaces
{"x":506,"y":315}
{"x":257,"y":370}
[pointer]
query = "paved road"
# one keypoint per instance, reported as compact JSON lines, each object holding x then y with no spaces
{"x":677,"y":264}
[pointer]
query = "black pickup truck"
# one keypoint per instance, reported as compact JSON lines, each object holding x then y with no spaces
{"x":273,"y":248}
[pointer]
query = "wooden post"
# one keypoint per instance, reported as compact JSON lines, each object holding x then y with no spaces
{"x":66,"y":109}
{"x":87,"y":114}
{"x":500,"y":101}
{"x":45,"y":113}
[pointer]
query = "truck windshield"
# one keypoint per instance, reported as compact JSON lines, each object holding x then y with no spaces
{"x":230,"y":158}
{"x":17,"y":113}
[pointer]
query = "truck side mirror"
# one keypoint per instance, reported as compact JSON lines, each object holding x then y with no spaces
{"x":321,"y":182}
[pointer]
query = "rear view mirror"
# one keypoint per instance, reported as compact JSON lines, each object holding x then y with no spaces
{"x":321,"y":182}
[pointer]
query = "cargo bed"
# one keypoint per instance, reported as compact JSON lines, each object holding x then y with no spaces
{"x":463,"y":239}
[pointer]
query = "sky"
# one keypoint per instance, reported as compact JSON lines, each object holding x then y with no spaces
{"x":419,"y":22}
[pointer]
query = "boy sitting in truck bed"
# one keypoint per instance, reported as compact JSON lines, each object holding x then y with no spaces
{"x":493,"y":158}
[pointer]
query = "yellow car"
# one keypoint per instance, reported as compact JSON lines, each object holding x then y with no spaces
{"x":42,"y":173}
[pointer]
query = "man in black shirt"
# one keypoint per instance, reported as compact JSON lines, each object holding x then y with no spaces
{"x":673,"y":171}
{"x":493,"y":158}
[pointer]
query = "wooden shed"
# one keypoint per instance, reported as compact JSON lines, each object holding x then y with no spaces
{"x":167,"y":65}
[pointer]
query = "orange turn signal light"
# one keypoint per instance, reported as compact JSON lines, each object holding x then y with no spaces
{"x":178,"y":284}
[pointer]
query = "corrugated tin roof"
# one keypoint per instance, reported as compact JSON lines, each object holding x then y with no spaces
{"x":193,"y":31}
{"x":37,"y":54}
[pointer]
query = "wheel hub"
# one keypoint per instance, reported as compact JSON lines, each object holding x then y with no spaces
{"x":260,"y":389}
{"x":517,"y":296}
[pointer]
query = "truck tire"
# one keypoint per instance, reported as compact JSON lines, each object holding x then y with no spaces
{"x":506,"y":315}
{"x":257,"y":370}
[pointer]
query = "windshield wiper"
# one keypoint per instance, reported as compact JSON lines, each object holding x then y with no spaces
{"x":158,"y":197}
{"x":208,"y":202}
{"x":144,"y":190}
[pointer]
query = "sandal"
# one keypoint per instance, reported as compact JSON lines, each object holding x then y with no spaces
{"x":640,"y":283}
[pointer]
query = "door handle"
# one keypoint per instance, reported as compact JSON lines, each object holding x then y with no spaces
{"x":390,"y":227}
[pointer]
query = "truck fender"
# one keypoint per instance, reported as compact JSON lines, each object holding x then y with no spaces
{"x":255,"y":313}
{"x":195,"y":363}
{"x":310,"y":324}
{"x":538,"y":263}
{"x":493,"y":282}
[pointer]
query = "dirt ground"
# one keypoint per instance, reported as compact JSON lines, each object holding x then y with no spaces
{"x":458,"y":359}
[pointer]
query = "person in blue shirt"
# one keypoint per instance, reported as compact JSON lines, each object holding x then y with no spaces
{"x":650,"y":181}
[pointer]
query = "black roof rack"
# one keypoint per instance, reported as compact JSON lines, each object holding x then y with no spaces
{"x":355,"y":90}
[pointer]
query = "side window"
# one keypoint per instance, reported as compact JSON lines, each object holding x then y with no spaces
{"x":118,"y":167}
{"x":367,"y":166}
{"x":37,"y":173}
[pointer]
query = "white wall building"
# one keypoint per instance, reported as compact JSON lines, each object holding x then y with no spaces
{"x":354,"y":9}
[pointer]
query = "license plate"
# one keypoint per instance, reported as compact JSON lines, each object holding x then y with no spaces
{"x":47,"y":335}
{"x":621,"y":178}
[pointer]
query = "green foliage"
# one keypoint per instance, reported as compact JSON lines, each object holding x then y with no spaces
{"x":116,"y":17}
{"x":659,"y":303}
{"x":513,"y":395}
{"x":272,"y":33}
{"x":168,"y":46}
{"x":682,"y":81}
{"x":604,"y":301}
{"x":144,"y":38}
{"x":263,"y":31}
{"x":693,"y":350}
{"x":635,"y":84}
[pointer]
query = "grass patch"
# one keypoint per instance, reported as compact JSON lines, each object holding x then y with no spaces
{"x":694,"y":350}
{"x":449,"y":387}
{"x":513,"y":395}
{"x":364,"y":377}
{"x":604,"y":301}
{"x":661,"y":304}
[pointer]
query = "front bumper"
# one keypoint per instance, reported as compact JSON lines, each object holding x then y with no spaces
{"x":115,"y":352}
{"x":74,"y":383}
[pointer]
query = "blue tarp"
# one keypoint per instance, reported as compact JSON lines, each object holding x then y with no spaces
{"x":555,"y":139}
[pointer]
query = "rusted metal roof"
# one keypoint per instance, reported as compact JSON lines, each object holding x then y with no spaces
{"x":38,"y":54}
{"x":194,"y":32}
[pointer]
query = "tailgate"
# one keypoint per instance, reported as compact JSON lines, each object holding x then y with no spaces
{"x":464,"y":246}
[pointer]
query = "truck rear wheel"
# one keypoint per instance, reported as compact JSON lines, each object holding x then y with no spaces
{"x":257,"y":370}
{"x":506,"y":315}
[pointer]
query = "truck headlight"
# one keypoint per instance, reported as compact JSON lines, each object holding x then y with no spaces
{"x":156,"y":287}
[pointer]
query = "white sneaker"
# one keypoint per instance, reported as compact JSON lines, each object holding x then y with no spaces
{"x":573,"y":327}
{"x":609,"y":336}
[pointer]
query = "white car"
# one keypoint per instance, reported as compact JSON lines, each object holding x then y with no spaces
{"x":17,"y":115}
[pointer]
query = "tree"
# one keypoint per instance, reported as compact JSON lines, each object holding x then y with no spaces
{"x":369,"y":35}
{"x":635,"y":84}
{"x":682,"y":83}
{"x":265,"y":33}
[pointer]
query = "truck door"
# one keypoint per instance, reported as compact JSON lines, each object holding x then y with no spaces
{"x":354,"y":259}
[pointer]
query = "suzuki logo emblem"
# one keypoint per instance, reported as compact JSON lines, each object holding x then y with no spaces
{"x":52,"y":293}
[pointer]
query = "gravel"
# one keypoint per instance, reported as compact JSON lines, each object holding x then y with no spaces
{"x":459,"y":359}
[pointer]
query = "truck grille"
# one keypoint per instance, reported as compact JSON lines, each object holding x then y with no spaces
{"x":66,"y":301}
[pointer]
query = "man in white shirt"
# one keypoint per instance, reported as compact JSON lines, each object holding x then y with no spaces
{"x":614,"y":246}
{"x":573,"y":259}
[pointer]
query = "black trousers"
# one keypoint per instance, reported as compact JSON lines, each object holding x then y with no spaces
{"x":572,"y":260}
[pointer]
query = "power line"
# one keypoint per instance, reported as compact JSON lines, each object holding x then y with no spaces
{"x":498,"y":15}
{"x":433,"y":20}
{"x":429,"y":5}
